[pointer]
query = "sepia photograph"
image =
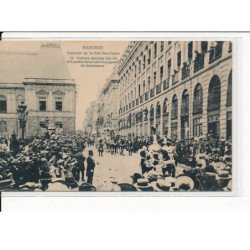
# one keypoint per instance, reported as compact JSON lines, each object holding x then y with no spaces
{"x":116,"y":116}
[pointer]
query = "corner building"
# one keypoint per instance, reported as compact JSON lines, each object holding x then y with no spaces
{"x":40,"y":79}
{"x":181,"y":88}
{"x":108,"y":106}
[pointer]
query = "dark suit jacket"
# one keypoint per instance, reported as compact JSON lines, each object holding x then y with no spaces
{"x":90,"y":164}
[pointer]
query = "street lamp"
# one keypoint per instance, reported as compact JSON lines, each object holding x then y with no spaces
{"x":22,"y":116}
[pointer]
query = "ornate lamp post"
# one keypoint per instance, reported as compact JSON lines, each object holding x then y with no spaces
{"x":22,"y":113}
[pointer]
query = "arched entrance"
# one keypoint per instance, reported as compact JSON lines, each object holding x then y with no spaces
{"x":214,"y":97}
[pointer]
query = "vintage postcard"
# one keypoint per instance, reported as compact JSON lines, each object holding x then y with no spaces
{"x":116,"y":115}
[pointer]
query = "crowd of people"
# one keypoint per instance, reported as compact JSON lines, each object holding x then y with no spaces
{"x":66,"y":163}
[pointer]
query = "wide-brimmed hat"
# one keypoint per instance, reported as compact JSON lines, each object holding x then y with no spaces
{"x":229,"y":186}
{"x":127,"y":187}
{"x":136,"y":176}
{"x":86,"y":187}
{"x":161,"y":185}
{"x":224,"y":175}
{"x":108,"y":186}
{"x":171,"y":180}
{"x":7,"y":183}
{"x":153,"y":175}
{"x":208,"y":176}
{"x":209,"y":169}
{"x":184,"y":183}
{"x":143,"y":185}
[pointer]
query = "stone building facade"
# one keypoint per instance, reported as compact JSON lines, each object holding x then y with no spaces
{"x":40,"y":79}
{"x":183,"y":89}
{"x":90,"y":120}
{"x":107,"y":121}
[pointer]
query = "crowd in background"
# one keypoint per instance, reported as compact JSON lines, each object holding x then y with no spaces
{"x":61,"y":162}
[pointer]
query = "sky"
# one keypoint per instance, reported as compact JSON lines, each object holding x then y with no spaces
{"x":89,"y":80}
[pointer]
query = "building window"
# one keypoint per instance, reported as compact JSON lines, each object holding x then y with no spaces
{"x":148,"y":83}
{"x":204,"y":46}
{"x":165,"y":107}
{"x":162,"y":46}
{"x":197,"y":127}
{"x":155,"y":78}
{"x":42,"y":105}
{"x":3,"y":104}
{"x":59,"y":124}
{"x":179,"y":59}
{"x":58,"y":105}
{"x":135,"y":70}
{"x":190,"y":50}
{"x":161,"y":74}
{"x":185,"y":103}
{"x":149,"y":56}
{"x":174,"y":110}
{"x":198,"y":99}
{"x":214,"y":94}
{"x":169,"y":67}
{"x":144,"y":62}
{"x":158,"y":110}
{"x":139,"y":66}
{"x":174,"y":127}
{"x":152,"y":115}
{"x":155,"y":49}
{"x":3,"y":127}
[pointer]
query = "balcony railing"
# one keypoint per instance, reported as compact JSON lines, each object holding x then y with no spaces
{"x":137,"y":101}
{"x":152,"y":92}
{"x":141,"y":98}
{"x":158,"y":89}
{"x":166,"y":84}
{"x":185,"y":72}
{"x":198,"y":62}
{"x":146,"y":96}
{"x":215,"y":52}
